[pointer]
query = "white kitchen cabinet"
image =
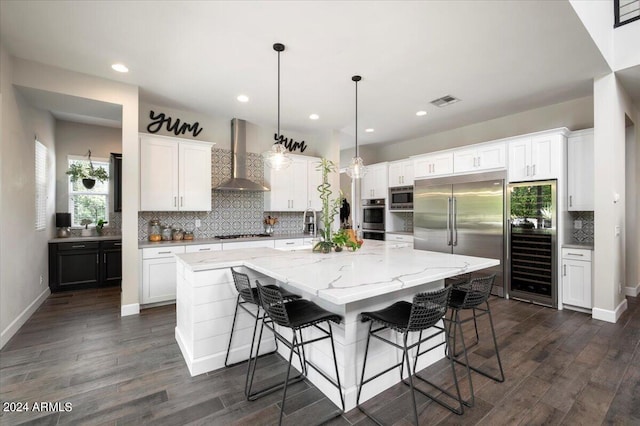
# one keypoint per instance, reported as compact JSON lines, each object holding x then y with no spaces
{"x":314,"y":179}
{"x":290,"y":188}
{"x":437,"y":164}
{"x":401,"y":173}
{"x":576,"y":277}
{"x":580,"y":165}
{"x":375,"y":182}
{"x":537,"y":157}
{"x":159,"y":273}
{"x":175,"y":174}
{"x":480,"y":157}
{"x":202,"y":248}
{"x":405,"y":238}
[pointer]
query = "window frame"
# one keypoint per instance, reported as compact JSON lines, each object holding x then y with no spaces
{"x":41,"y":186}
{"x":97,"y":162}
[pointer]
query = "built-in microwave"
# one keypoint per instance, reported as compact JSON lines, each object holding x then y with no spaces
{"x":401,"y":198}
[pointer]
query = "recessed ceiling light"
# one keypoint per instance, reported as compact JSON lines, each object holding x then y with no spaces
{"x":314,"y":116}
{"x":243,"y":98}
{"x":369,"y":130}
{"x":421,"y":113}
{"x":120,"y":68}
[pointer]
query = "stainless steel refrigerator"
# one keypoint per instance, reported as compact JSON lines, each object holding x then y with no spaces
{"x":463,"y":215}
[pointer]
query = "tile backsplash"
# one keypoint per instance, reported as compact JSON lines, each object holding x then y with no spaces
{"x":232,"y":212}
{"x":584,"y":235}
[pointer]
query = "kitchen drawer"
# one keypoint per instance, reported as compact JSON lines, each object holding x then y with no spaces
{"x":399,"y":237}
{"x":199,"y":248}
{"x":159,"y":252}
{"x":291,"y":242}
{"x":89,"y":245}
{"x":111,"y":245}
{"x":248,"y":244}
{"x":576,"y":254}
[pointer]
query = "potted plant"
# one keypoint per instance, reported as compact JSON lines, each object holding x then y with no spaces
{"x":330,"y":208}
{"x":86,"y":232}
{"x":340,"y":239}
{"x":88,"y":175}
{"x":100,"y":225}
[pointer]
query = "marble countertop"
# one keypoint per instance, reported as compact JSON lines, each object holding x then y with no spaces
{"x":575,"y":245}
{"x":378,"y":268}
{"x":145,"y":243}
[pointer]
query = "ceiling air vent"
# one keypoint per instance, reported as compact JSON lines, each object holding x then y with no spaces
{"x":444,"y":101}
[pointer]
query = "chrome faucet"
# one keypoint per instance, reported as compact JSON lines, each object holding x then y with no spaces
{"x":309,"y":229}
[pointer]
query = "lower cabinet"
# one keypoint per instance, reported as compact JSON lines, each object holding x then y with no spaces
{"x":86,"y":264}
{"x":576,"y":278}
{"x":159,"y":273}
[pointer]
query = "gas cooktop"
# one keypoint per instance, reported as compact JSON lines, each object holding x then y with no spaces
{"x":235,"y":236}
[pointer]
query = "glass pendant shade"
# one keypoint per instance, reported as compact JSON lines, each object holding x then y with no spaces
{"x":277,"y":158}
{"x":356,"y":168}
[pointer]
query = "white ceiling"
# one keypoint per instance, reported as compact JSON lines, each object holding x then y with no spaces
{"x":499,"y":57}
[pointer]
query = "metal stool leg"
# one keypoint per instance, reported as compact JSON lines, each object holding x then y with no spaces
{"x":495,"y":343}
{"x":286,"y":381}
{"x":364,"y":364}
{"x":233,"y":326}
{"x":405,"y":355}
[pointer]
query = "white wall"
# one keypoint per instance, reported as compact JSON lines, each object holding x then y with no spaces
{"x":23,"y":250}
{"x":611,"y":106}
{"x":77,"y":139}
{"x":575,"y":115}
{"x":632,"y":215}
{"x":57,"y":80}
{"x":597,"y":17}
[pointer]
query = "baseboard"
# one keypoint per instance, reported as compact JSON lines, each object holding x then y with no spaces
{"x":15,"y":325}
{"x":632,"y":291}
{"x":132,"y":309}
{"x":609,"y":316}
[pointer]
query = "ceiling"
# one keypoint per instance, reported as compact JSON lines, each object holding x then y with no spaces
{"x":499,"y":58}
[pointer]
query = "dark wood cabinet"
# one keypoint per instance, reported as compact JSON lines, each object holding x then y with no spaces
{"x":87,"y":264}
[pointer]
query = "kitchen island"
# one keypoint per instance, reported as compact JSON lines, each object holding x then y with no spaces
{"x":346,"y":283}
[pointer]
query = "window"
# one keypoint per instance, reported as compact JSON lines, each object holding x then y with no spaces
{"x":41,"y":186}
{"x":84,"y":203}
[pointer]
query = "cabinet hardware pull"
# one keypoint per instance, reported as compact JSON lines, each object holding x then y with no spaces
{"x":533,"y":170}
{"x":575,"y":254}
{"x":204,"y":249}
{"x":565,"y":270}
{"x":175,"y":201}
{"x":164,"y":252}
{"x":478,"y":161}
{"x":97,"y":259}
{"x":78,"y":246}
{"x":104,"y":258}
{"x":528,"y":170}
{"x":181,"y":201}
{"x":290,"y":242}
{"x":570,"y":200}
{"x":117,"y":244}
{"x":449,"y":221}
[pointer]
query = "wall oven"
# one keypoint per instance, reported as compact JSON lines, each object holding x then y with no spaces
{"x":373,"y":218}
{"x":401,"y":198}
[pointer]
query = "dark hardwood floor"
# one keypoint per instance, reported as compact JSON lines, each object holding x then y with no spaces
{"x":561,"y":367}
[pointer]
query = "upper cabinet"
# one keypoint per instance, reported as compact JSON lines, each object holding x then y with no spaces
{"x":293,"y":189}
{"x":437,"y":164}
{"x":580,"y":164}
{"x":375,"y":183}
{"x":536,"y":157}
{"x":480,"y":157}
{"x":175,"y":174}
{"x":401,"y":173}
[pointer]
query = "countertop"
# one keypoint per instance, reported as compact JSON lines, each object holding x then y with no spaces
{"x":378,"y":268}
{"x":145,"y":244}
{"x":85,"y":239}
{"x":584,"y":246}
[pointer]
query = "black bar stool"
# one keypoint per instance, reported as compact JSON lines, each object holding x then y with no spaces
{"x":423,"y":314}
{"x":295,"y":315}
{"x":471,"y":295}
{"x":248,"y":295}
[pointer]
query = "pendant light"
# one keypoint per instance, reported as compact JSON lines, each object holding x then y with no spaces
{"x":277,"y":157}
{"x":356,"y":168}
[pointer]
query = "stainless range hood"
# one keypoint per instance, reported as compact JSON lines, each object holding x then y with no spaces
{"x":239,"y":181}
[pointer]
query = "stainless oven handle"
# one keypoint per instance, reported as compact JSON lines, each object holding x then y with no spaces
{"x":449,"y":221}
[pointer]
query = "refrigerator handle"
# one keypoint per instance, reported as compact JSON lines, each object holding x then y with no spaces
{"x":449,"y":221}
{"x":454,"y":223}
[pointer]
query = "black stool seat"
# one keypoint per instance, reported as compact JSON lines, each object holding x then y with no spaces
{"x":425,"y":314}
{"x":286,"y":294}
{"x":304,"y":313}
{"x":295,"y":315}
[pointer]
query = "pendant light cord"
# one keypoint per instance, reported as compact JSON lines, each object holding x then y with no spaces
{"x":356,"y":118}
{"x":278,"y":94}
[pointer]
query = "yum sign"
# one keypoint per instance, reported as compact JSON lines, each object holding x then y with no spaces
{"x":160,"y":120}
{"x":290,"y":144}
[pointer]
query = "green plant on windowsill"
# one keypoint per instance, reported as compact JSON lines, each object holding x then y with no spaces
{"x":330,"y":208}
{"x":100,"y":225}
